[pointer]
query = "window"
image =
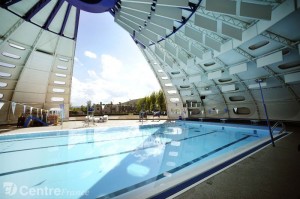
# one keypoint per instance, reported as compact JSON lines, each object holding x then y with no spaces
{"x":184,"y":86}
{"x":160,"y":71}
{"x":175,"y":72}
{"x":164,"y":78}
{"x":62,"y":67}
{"x":60,"y":75}
{"x":59,"y":82}
{"x":258,"y":45}
{"x":237,"y":98}
{"x":3,"y":84}
{"x":286,"y":51}
{"x":63,"y":59}
{"x":209,"y":64}
{"x":195,"y":112}
{"x":169,"y":84}
{"x":225,"y":80}
{"x":7,"y":65}
{"x":174,"y":100}
{"x":57,"y":99}
{"x":290,"y":65}
{"x":1,"y":95}
{"x":58,"y":90}
{"x":172,"y":91}
{"x":241,"y":110}
{"x":176,"y":111}
{"x":13,"y":56}
{"x":17,"y":46}
{"x":2,"y":74}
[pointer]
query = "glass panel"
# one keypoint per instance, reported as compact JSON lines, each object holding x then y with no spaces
{"x":172,"y":91}
{"x":17,"y":46}
{"x":2,"y":74}
{"x":59,"y":82}
{"x":60,"y":75}
{"x":174,"y":99}
{"x":63,"y":59}
{"x":3,"y":84}
{"x":58,"y":90}
{"x":13,"y":56}
{"x":62,"y":67}
{"x":7,"y":65}
{"x":57,"y":99}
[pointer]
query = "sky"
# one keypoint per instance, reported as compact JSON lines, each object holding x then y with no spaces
{"x":108,"y":66}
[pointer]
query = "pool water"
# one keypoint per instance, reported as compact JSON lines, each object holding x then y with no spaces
{"x":123,"y":162}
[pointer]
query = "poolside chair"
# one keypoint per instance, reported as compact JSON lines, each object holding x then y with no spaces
{"x":156,"y":114}
{"x":105,"y":118}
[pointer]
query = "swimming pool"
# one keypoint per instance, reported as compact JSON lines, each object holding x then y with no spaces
{"x":124,"y":162}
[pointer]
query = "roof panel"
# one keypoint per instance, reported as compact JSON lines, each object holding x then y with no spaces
{"x":47,"y":42}
{"x":65,"y":47}
{"x":9,"y":20}
{"x":57,"y":22}
{"x":70,"y":26}
{"x":22,"y":7}
{"x":41,"y":17}
{"x":26,"y":33}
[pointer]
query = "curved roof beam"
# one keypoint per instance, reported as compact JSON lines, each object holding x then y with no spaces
{"x":35,"y":9}
{"x":6,"y":3}
{"x":53,"y":14}
{"x":65,"y":20}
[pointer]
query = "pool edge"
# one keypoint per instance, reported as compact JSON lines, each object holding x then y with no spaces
{"x":199,"y":178}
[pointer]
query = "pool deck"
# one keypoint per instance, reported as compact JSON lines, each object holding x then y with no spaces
{"x":4,"y":129}
{"x":273,"y":172}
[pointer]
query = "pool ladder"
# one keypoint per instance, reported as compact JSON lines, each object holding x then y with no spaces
{"x":278,"y":123}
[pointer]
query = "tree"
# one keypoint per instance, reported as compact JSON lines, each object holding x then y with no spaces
{"x":160,"y":101}
{"x":152,"y":101}
{"x":147,"y":103}
{"x":111,"y":107}
{"x":83,"y":109}
{"x":141,"y":104}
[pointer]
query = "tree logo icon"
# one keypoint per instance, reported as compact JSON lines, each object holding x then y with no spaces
{"x":10,"y":188}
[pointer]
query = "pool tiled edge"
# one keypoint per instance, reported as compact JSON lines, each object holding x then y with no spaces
{"x":181,"y":186}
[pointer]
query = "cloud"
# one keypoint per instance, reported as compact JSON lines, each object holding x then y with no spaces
{"x":92,"y":74}
{"x":116,"y":82}
{"x":90,"y":54}
{"x":77,"y":61}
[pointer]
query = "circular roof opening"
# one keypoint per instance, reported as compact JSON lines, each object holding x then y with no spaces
{"x":258,"y":45}
{"x":94,"y":6}
{"x":91,"y":1}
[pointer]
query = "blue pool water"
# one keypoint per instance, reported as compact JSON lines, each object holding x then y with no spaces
{"x":124,"y":162}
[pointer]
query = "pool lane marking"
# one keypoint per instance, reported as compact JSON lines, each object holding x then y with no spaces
{"x":162,"y":175}
{"x":80,"y":143}
{"x":64,"y":134}
{"x":96,"y":157}
{"x":60,"y":145}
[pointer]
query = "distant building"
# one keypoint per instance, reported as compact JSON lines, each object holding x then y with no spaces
{"x":120,"y":108}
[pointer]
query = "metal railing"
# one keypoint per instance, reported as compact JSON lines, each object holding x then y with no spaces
{"x":278,"y":123}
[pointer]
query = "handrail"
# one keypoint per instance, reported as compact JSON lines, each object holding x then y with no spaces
{"x":276,"y":124}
